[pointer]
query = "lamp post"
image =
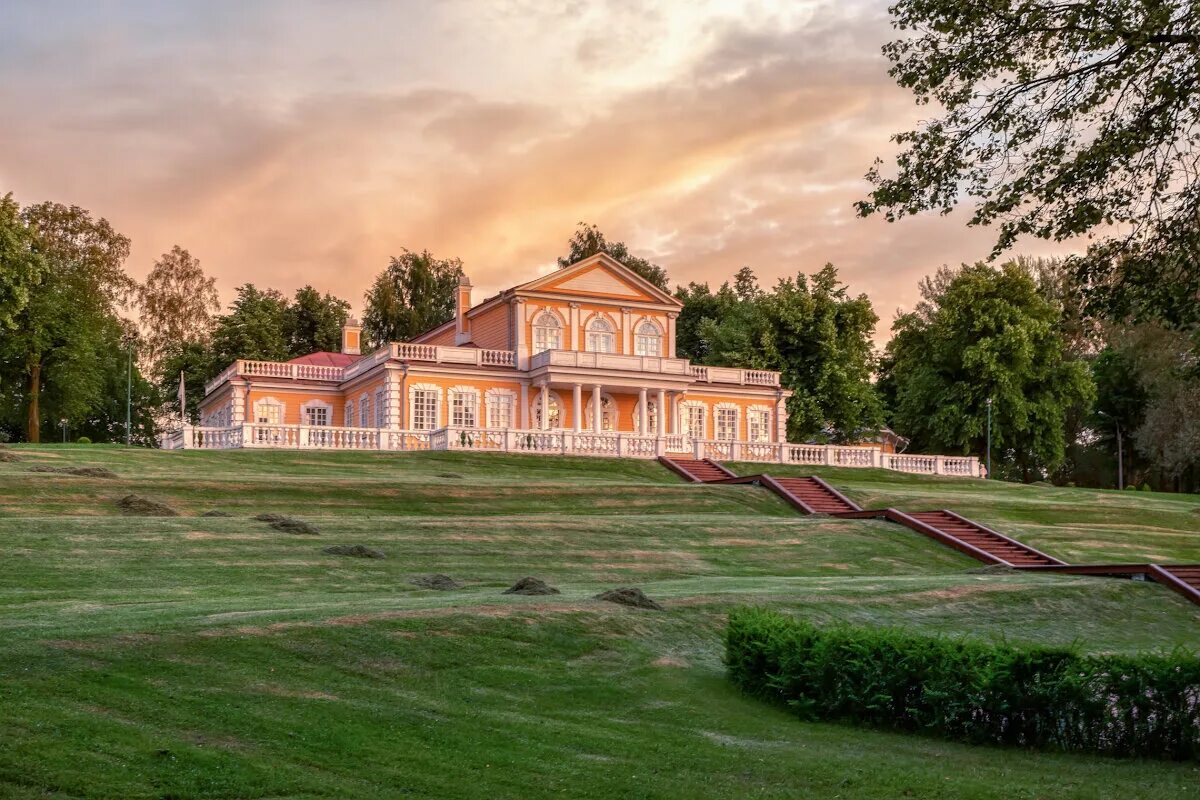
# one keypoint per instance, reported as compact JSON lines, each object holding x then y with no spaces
{"x":63,"y":424}
{"x":1120,"y":449}
{"x":989,"y":437}
{"x":130,"y":340}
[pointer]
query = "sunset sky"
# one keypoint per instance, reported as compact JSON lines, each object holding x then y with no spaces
{"x":292,"y":143}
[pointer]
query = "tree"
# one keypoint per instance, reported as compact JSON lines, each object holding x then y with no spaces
{"x":414,"y":294}
{"x":314,"y":323}
{"x":22,"y":267}
{"x":57,"y":347}
{"x":981,"y":333}
{"x":1059,"y":119}
{"x":104,"y":419}
{"x":254,"y":328}
{"x":589,"y":240}
{"x":177,"y":303}
{"x":701,"y":308}
{"x":815,"y":334}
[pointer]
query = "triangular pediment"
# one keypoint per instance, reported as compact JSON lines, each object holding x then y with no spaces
{"x":603,"y":277}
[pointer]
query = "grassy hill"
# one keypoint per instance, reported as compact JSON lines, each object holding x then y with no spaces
{"x":195,"y":656}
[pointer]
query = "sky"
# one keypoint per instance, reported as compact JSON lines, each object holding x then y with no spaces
{"x":306,"y":141}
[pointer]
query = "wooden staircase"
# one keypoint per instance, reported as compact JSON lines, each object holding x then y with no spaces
{"x":811,"y":495}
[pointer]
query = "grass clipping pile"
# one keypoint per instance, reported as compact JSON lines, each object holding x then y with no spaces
{"x":629,"y":596}
{"x":288,"y":524}
{"x":356,"y":550}
{"x":442,"y":583}
{"x":141,"y":507}
{"x":532,"y":587}
{"x":82,"y":472}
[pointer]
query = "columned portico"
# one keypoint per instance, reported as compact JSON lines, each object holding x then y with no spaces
{"x":643,"y":410}
{"x":577,"y":406}
{"x":544,"y":406}
{"x":662,"y":413}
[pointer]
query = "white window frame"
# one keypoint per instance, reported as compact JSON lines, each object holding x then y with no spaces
{"x":600,"y":341}
{"x":425,"y":389}
{"x":380,"y":408}
{"x":721,"y":413}
{"x":308,"y":413}
{"x":364,"y":410}
{"x":348,"y":414}
{"x":497,"y":401}
{"x":535,"y":411}
{"x":758,"y":424}
{"x":271,"y":403}
{"x":648,"y":344}
{"x":547,"y":337}
{"x":689,"y":407}
{"x":464,"y":406}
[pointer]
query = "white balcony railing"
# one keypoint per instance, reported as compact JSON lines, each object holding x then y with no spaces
{"x":742,"y":377}
{"x":276,"y":369}
{"x":559,"y":442}
{"x":614,"y":361}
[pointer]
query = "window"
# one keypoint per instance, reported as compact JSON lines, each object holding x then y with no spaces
{"x":547,"y":332}
{"x":555,"y":411}
{"x":651,"y":419}
{"x":608,"y":414}
{"x":648,"y":341}
{"x":424,"y":409}
{"x":726,"y":419}
{"x":268,"y":412}
{"x":462,"y":409}
{"x":364,"y":411}
{"x":380,"y":409}
{"x":348,"y":414}
{"x":695,"y":420}
{"x":758,"y":420}
{"x":600,"y":336}
{"x":500,"y":410}
{"x":316,"y":414}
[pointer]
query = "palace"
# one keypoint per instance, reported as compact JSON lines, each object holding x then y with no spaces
{"x":580,"y":361}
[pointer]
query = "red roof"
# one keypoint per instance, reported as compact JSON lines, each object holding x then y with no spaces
{"x":326,"y":359}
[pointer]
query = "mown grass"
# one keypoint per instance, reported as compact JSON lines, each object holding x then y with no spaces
{"x":196,"y":657}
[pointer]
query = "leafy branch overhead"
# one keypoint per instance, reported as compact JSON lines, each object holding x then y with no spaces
{"x":1058,"y":120}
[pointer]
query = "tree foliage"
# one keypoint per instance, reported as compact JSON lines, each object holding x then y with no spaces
{"x":589,"y":240}
{"x":414,"y":294}
{"x":981,"y":333}
{"x":314,"y":322}
{"x":810,"y":330}
{"x":52,"y":362}
{"x":1059,"y":119}
{"x":22,"y":266}
{"x":177,"y":304}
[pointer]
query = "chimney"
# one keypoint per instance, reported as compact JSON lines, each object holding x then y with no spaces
{"x":352,"y":337}
{"x":462,"y":304}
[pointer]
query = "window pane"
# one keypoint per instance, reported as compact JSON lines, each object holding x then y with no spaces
{"x":462,"y":408}
{"x":424,"y":409}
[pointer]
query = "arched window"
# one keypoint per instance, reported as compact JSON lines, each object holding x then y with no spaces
{"x":651,"y":418}
{"x":268,"y":411}
{"x":648,"y":340}
{"x":547,"y":332}
{"x":553,"y":405}
{"x":608,"y":414}
{"x":600,"y":336}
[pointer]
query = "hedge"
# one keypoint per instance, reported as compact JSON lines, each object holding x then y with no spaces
{"x":970,"y":691}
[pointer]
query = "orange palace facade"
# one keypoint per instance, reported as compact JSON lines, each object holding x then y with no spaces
{"x":578,"y":362}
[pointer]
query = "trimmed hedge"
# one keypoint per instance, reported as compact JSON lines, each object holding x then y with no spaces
{"x":969,"y":691}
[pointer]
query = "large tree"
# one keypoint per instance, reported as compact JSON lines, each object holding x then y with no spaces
{"x":981,"y":333}
{"x":1056,"y":120}
{"x":177,"y":304}
{"x":56,"y":351}
{"x":589,"y":240}
{"x":22,"y":266}
{"x":814,"y":333}
{"x":415,"y":293}
{"x":314,"y":321}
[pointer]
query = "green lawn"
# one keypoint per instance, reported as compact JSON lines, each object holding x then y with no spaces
{"x":198,"y":657}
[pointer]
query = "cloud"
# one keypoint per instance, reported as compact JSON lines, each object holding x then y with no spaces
{"x":706,"y":139}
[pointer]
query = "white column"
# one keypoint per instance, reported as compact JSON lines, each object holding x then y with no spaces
{"x":597,"y":411}
{"x":572,"y":339}
{"x":781,"y":420}
{"x":524,"y":404}
{"x":544,"y":404}
{"x":643,"y":407}
{"x":662,"y":412}
{"x":577,"y":406}
{"x":676,"y":398}
{"x":626,"y":337}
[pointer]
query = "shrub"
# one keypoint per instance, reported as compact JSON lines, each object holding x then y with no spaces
{"x":974,"y":692}
{"x":83,"y":440}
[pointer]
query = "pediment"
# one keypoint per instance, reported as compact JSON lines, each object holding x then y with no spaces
{"x":602,"y":277}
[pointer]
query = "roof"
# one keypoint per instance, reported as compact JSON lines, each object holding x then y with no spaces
{"x":324,"y":358}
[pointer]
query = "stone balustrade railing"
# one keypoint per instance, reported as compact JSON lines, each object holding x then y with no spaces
{"x":561,"y":442}
{"x":470,"y":356}
{"x":742,"y":377}
{"x":277,"y":369}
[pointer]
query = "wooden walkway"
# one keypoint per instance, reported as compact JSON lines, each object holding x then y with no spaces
{"x":812,"y":495}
